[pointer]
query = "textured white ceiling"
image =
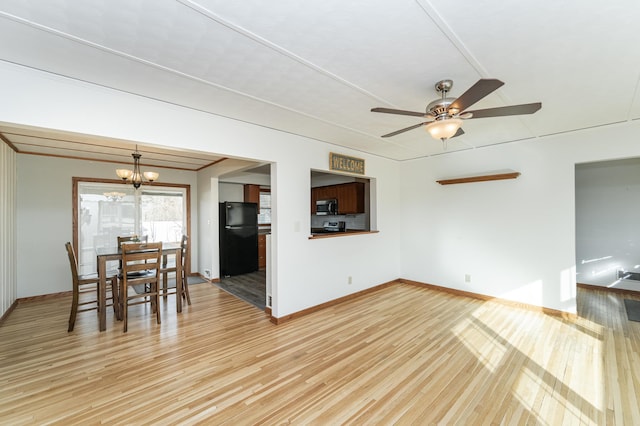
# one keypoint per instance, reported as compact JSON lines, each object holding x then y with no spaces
{"x":316,"y":68}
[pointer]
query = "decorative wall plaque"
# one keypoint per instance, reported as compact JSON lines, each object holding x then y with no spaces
{"x":345,"y":163}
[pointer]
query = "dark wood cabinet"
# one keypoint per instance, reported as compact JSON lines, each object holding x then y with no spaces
{"x":322,"y":193}
{"x":350,"y":197}
{"x":262,"y":251}
{"x":252,"y":194}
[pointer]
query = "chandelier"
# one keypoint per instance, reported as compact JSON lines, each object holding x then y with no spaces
{"x":114,"y":195}
{"x":134,"y":176}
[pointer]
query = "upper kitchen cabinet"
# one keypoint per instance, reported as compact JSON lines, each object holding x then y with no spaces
{"x":350,"y":197}
{"x":322,"y":193}
{"x":252,"y":194}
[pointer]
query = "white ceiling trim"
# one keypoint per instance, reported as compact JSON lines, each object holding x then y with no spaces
{"x":446,"y":30}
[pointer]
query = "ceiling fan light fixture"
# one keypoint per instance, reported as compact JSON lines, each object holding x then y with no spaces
{"x":444,"y":129}
{"x":448,"y":113}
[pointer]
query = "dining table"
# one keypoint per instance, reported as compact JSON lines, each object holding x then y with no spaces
{"x":105,"y":254}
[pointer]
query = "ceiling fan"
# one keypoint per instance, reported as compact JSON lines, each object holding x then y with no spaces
{"x":444,"y":116}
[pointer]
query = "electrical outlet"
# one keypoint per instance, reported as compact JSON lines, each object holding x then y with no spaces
{"x":207,"y":273}
{"x":350,"y":280}
{"x":467,"y":278}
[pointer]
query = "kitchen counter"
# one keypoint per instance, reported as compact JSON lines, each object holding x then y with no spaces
{"x":319,"y":233}
{"x":323,"y":231}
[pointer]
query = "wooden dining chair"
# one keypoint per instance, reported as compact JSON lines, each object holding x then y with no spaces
{"x":132,"y":238}
{"x":88,"y":285}
{"x":185,"y":285}
{"x":170,"y":266}
{"x":140,"y":266}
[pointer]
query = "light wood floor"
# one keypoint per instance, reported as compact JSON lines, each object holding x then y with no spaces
{"x":404,"y":355}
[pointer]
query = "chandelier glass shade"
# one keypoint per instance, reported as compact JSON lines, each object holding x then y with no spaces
{"x":444,"y":129}
{"x":135,"y":176}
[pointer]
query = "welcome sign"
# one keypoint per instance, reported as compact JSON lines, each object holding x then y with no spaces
{"x":345,"y":163}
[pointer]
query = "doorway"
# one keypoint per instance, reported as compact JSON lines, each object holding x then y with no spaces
{"x":607,"y":195}
{"x":252,"y":185}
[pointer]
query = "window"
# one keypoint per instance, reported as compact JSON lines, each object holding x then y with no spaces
{"x":264,"y":215}
{"x":108,"y":210}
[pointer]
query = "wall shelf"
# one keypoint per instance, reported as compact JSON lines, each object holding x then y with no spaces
{"x":483,"y":178}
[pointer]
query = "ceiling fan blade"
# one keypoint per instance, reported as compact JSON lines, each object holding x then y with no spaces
{"x":503,"y":111}
{"x":399,"y":112}
{"x":476,"y":92}
{"x":406,"y":129}
{"x":460,"y":132}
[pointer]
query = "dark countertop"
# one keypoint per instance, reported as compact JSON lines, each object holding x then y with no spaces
{"x":321,"y":233}
{"x":324,"y":231}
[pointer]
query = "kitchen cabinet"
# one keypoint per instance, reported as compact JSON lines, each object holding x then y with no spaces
{"x":322,"y":193}
{"x":350,"y":197}
{"x":252,"y":194}
{"x":262,"y":251}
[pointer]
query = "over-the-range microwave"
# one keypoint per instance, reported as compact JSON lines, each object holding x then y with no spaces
{"x":327,"y":207}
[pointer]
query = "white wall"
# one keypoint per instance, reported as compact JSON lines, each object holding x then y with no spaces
{"x":308,"y":272}
{"x":45,"y":217}
{"x":208,"y":259}
{"x":326,"y":179}
{"x":608,"y":222}
{"x":515,"y":238}
{"x":8,"y":235}
{"x":230,"y":192}
{"x":247,"y":177}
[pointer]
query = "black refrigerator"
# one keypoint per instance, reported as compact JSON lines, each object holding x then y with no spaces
{"x":238,"y":238}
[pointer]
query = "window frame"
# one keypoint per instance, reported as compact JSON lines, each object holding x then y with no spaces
{"x":75,"y":213}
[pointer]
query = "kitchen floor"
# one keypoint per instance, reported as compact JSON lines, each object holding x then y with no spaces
{"x":251,"y":287}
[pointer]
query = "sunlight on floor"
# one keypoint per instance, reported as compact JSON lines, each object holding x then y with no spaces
{"x":481,"y":344}
{"x":544,"y":380}
{"x":544,"y":395}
